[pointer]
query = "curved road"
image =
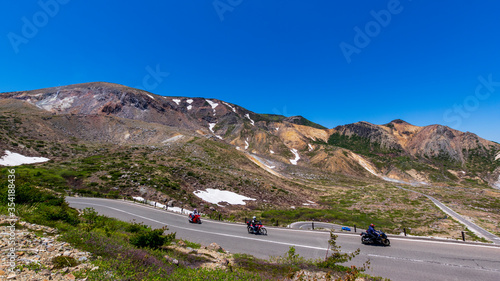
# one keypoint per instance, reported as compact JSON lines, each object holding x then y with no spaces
{"x":406,"y":259}
{"x":470,"y":225}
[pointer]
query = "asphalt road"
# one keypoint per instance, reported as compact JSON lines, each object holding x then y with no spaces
{"x":472,"y":226}
{"x":406,"y":259}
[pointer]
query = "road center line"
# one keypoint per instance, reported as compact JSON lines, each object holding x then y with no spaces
{"x":302,"y":231}
{"x":197,"y":230}
{"x":432,"y":262}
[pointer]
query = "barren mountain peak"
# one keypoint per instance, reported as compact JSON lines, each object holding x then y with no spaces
{"x":399,"y":121}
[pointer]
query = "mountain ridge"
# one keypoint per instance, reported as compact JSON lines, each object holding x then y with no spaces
{"x":113,"y":113}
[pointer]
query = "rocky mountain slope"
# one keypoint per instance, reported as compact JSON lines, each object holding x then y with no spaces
{"x":432,"y":153}
{"x":110,"y":140}
{"x":116,"y":114}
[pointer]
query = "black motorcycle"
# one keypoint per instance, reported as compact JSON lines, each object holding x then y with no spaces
{"x":369,"y":239}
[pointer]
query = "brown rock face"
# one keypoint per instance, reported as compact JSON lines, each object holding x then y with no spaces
{"x":110,"y":113}
{"x":429,"y":141}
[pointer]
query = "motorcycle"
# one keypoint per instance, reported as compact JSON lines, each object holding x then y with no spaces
{"x":259,"y":228}
{"x":195,"y":219}
{"x":381,"y":239}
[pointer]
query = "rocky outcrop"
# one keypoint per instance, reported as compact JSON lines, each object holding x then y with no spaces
{"x":115,"y":114}
{"x":35,"y":252}
{"x":434,"y":141}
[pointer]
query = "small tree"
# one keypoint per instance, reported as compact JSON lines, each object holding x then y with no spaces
{"x":90,"y":217}
{"x":336,"y":257}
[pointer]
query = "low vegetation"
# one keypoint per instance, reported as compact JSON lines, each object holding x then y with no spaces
{"x":134,"y":251}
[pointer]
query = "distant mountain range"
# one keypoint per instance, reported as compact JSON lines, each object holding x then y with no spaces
{"x":114,"y":114}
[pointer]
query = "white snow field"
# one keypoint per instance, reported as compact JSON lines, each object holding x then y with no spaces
{"x":251,"y":121}
{"x":297,"y":156}
{"x":216,"y":196}
{"x":16,"y":159}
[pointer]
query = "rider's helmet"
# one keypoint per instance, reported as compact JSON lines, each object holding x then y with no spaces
{"x":254,"y":217}
{"x":372,"y":225}
{"x":195,"y":210}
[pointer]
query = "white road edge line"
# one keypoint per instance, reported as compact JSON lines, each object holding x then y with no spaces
{"x":432,"y":262}
{"x":310,"y":231}
{"x":196,"y":230}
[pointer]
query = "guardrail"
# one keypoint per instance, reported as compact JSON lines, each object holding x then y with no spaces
{"x":219,"y":217}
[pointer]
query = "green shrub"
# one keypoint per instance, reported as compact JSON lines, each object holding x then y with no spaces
{"x":153,"y":239}
{"x":63,"y":261}
{"x":136,"y":227}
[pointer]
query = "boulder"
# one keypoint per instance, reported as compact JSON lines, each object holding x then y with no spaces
{"x":215,"y":247}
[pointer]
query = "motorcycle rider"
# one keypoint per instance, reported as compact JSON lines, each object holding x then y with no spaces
{"x":372,"y":232}
{"x":253,"y":223}
{"x":195,"y":212}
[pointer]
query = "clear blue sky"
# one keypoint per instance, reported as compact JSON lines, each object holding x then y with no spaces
{"x":330,"y":61}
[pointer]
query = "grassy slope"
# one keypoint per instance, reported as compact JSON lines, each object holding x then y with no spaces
{"x":121,"y":252}
{"x":177,"y":170}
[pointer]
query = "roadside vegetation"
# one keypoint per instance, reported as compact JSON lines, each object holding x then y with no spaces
{"x":133,"y":251}
{"x":172,"y":172}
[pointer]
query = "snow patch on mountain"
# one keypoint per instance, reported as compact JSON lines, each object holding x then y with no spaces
{"x":216,"y":196}
{"x":211,"y":127}
{"x":246,"y":145}
{"x":189,"y":101}
{"x":189,"y":107}
{"x":310,"y":147}
{"x":272,"y":152}
{"x":251,"y":121}
{"x":230,"y":106}
{"x":151,"y":96}
{"x":177,"y":101}
{"x":498,"y":156}
{"x":213,"y":105}
{"x":16,"y":159}
{"x":297,"y":156}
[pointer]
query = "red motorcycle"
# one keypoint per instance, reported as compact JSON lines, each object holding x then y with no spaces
{"x":195,"y":218}
{"x":258,"y":229}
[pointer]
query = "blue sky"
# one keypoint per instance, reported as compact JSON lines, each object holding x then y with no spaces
{"x":333,"y":62}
